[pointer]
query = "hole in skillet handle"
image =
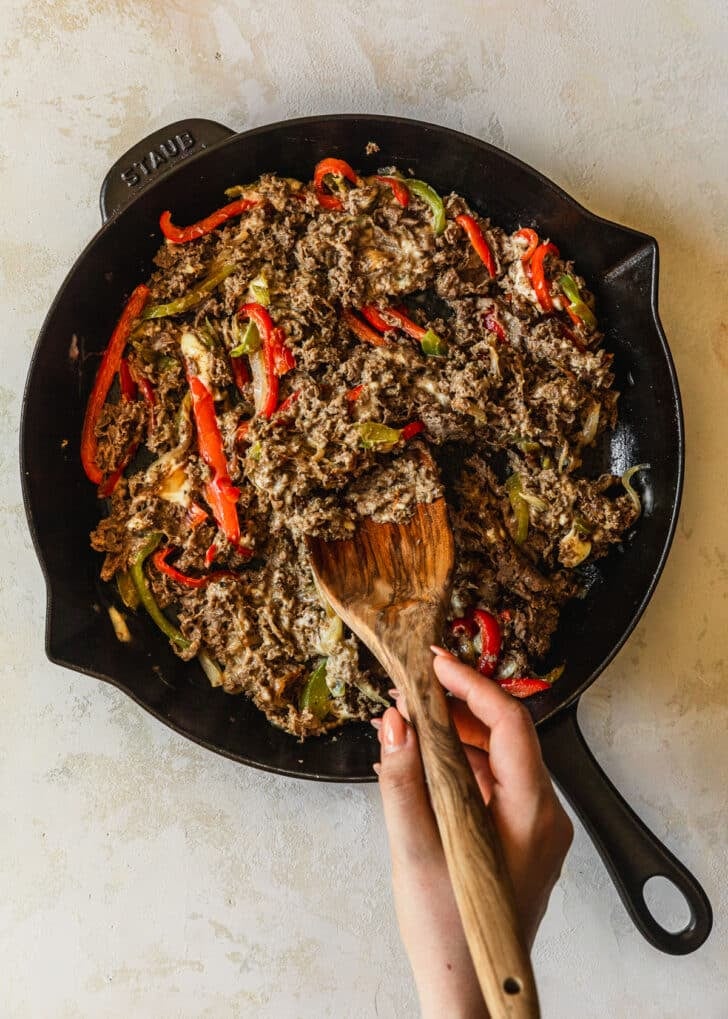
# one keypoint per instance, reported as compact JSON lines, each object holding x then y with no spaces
{"x":668,"y":905}
{"x":154,"y":157}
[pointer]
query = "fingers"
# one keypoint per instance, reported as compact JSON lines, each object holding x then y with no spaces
{"x":480,"y":764}
{"x":469,"y":728}
{"x":411,"y":825}
{"x":515,"y":753}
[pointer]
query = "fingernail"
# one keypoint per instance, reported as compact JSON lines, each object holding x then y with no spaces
{"x":440,"y":652}
{"x":394,"y":693}
{"x":376,"y":722}
{"x":394,"y":732}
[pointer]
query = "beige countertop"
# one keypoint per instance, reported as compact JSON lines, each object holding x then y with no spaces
{"x":143,"y":876}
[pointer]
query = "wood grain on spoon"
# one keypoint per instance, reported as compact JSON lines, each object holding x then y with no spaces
{"x":390,"y":585}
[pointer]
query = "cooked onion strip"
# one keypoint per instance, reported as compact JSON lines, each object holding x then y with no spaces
{"x":210,"y":668}
{"x":626,"y":480}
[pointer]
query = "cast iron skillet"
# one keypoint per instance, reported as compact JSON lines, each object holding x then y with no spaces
{"x":620,"y":265}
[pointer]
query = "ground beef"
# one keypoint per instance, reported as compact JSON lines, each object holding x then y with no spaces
{"x":510,"y":399}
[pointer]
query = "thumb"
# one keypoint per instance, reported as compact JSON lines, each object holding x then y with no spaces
{"x":411,"y":825}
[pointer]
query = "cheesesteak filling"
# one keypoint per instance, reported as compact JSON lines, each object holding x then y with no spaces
{"x":274,"y":379}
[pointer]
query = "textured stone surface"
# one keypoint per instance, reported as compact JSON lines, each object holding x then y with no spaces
{"x":144,"y":876}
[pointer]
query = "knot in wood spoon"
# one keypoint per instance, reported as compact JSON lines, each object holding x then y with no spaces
{"x":390,"y":584}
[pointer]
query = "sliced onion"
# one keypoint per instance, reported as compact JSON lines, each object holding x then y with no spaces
{"x":260,"y":380}
{"x":332,"y":636}
{"x":534,"y":500}
{"x":563,"y":457}
{"x":119,"y":623}
{"x":371,"y":694}
{"x":626,"y":480}
{"x":589,"y":431}
{"x":210,"y":668}
{"x":506,"y":669}
{"x":196,"y":353}
{"x":573,"y":549}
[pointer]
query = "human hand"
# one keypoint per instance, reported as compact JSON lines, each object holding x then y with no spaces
{"x":535,"y":832}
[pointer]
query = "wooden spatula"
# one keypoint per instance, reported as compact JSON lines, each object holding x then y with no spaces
{"x":390,"y":585}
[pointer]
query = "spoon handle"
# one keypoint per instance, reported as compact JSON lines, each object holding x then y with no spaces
{"x":482,"y":885}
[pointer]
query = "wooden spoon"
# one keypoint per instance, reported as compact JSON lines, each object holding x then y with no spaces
{"x":390,"y":585}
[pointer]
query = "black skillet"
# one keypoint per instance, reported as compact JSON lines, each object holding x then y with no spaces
{"x":621,"y":267}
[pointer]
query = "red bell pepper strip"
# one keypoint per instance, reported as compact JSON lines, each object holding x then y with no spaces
{"x":110,"y":365}
{"x":490,"y":641}
{"x":537,"y":275}
{"x":493,"y":325}
{"x":240,"y":371}
{"x":283,"y":359}
{"x":405,"y":322}
{"x":220,"y":493}
{"x":531,"y":239}
{"x":289,"y":401}
{"x":126,"y":381}
{"x":160,"y":561}
{"x":399,"y":189}
{"x":183,"y":234}
{"x":522,"y":687}
{"x":372,"y":315}
{"x":148,"y":394}
{"x":107,"y":487}
{"x":222,"y":503}
{"x":353,"y":395}
{"x":338,"y":168}
{"x":210,"y":555}
{"x":477,"y":239}
{"x":574,"y":318}
{"x":209,"y":438}
{"x":464,"y":626}
{"x":362,"y":331}
{"x":277,"y":358}
{"x":241,"y":432}
{"x":409,"y":431}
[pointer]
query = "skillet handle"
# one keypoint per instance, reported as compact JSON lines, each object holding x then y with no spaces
{"x":154,"y":157}
{"x":631,"y":853}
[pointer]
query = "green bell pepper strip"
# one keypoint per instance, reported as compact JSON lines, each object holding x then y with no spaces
{"x":127,"y":590}
{"x":433,"y":345}
{"x":577,"y":305}
{"x":249,"y":340}
{"x":514,"y":488}
{"x":382,"y":438}
{"x":315,"y":695}
{"x":182,"y":304}
{"x":259,"y":291}
{"x":377,"y":436}
{"x":146,"y":597}
{"x":431,"y":198}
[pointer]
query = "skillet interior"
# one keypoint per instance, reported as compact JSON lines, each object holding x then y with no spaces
{"x":621,"y":267}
